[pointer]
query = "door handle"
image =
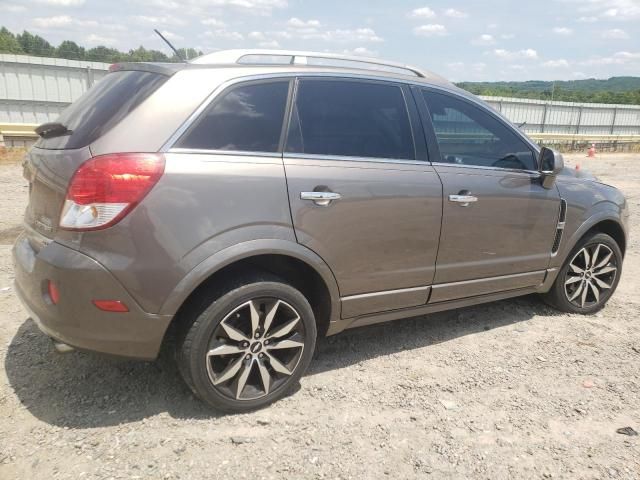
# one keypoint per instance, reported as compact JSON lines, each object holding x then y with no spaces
{"x":463,"y":200}
{"x":320,"y":198}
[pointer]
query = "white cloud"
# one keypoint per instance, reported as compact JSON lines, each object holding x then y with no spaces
{"x":259,"y":7}
{"x":222,"y":33}
{"x":484,"y":39}
{"x":565,"y":31}
{"x":269,"y":44}
{"x":297,"y":23}
{"x":527,"y":53}
{"x":93,"y":39}
{"x":256,"y":36}
{"x":12,"y":8}
{"x":618,"y":58}
{"x":507,"y":36}
{"x":171,"y":36}
{"x":62,"y":3}
{"x":453,"y":13}
{"x":361,"y":52}
{"x":338,"y":35}
{"x":213,"y":22}
{"x":155,"y":20}
{"x":560,"y":63}
{"x":53,"y":22}
{"x":588,"y":19}
{"x":455,"y":66}
{"x":423,"y":12}
{"x":628,"y":55}
{"x":609,"y":9}
{"x":430,"y":30}
{"x":615,"y":34}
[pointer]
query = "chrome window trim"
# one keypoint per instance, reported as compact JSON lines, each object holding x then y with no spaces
{"x":531,"y":173}
{"x":364,"y":76}
{"x":340,"y":158}
{"x":236,"y":153}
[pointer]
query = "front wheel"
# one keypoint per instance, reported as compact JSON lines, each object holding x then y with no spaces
{"x":249,"y":346}
{"x":588,"y":277}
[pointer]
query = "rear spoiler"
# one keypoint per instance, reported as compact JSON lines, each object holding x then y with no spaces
{"x":167,"y":69}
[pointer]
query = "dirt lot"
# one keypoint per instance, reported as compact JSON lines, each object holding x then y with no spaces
{"x":510,"y":389}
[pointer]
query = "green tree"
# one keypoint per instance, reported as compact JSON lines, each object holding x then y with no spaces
{"x":70,"y":50}
{"x":35,"y":45}
{"x":103,"y":54}
{"x":8,"y":42}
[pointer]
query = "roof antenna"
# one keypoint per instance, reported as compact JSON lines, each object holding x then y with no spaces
{"x":171,"y":46}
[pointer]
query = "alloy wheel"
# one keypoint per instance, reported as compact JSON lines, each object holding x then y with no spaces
{"x":255,"y":348}
{"x":592,"y":271}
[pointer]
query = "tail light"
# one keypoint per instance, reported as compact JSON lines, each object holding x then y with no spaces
{"x":105,"y":189}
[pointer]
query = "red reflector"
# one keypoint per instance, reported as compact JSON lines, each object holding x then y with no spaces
{"x":111,"y":305}
{"x":54,"y":293}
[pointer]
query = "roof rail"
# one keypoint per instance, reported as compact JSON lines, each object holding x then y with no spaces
{"x":287,"y":57}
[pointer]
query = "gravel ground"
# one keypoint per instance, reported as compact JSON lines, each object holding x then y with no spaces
{"x":511,"y":389}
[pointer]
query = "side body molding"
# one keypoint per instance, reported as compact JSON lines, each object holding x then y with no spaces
{"x":242,"y":251}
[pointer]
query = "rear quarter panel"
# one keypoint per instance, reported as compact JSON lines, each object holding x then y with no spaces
{"x":203,"y":204}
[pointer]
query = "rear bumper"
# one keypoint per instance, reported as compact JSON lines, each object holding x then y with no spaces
{"x":75,"y":320}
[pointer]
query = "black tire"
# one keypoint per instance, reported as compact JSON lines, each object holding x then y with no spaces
{"x":196,"y":338}
{"x":558,"y":297}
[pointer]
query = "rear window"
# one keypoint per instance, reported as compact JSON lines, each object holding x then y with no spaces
{"x":102,"y":107}
{"x":247,"y":118}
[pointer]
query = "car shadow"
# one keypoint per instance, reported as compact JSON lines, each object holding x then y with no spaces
{"x":84,"y":390}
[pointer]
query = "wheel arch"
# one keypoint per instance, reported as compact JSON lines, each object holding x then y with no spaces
{"x":604,"y":223}
{"x":295,"y":264}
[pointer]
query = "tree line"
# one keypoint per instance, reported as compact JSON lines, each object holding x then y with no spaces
{"x":581,"y":94}
{"x":26,"y":43}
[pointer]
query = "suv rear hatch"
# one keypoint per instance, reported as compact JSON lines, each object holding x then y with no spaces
{"x":65,"y":144}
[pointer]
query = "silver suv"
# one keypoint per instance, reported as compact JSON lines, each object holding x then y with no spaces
{"x":253,"y":200}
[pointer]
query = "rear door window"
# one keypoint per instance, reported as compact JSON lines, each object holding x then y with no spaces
{"x":102,"y":107}
{"x":352,"y":119}
{"x":247,"y":118}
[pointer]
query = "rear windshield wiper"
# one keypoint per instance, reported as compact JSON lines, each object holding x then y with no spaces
{"x":52,"y":129}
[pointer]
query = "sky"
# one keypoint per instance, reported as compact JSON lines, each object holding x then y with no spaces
{"x":461,"y":39}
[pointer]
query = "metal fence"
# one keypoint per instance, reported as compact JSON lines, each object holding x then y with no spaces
{"x":35,"y":90}
{"x":539,"y":116}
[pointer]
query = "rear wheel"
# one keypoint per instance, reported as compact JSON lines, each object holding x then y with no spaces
{"x":588,"y":277}
{"x":249,"y":346}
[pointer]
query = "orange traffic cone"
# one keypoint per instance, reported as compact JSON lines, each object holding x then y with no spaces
{"x":592,"y":151}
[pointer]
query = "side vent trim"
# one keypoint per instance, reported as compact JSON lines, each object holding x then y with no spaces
{"x":562,"y":217}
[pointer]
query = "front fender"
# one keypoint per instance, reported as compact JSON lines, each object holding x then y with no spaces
{"x":607,"y":211}
{"x":242,"y":251}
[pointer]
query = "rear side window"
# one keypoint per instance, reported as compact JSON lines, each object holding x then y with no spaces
{"x":247,"y":118}
{"x":468,"y":135}
{"x":102,"y":107}
{"x":352,"y":119}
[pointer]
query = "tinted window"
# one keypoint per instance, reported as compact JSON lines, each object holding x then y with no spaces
{"x":356,"y":119}
{"x":467,"y":135}
{"x":247,"y":118}
{"x":102,"y":107}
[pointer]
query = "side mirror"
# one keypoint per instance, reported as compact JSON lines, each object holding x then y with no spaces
{"x":551,"y":163}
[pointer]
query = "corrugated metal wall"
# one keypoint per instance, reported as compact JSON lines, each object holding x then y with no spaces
{"x":35,"y":90}
{"x":541,"y":116}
